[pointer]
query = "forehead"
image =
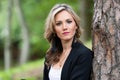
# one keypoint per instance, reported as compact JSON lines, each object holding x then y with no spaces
{"x":63,"y":15}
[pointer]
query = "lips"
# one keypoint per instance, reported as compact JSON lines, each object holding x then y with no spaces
{"x":65,"y":33}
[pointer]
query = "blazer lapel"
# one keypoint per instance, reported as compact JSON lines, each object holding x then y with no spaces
{"x":67,"y":64}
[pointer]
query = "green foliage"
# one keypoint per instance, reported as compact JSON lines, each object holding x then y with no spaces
{"x":35,"y":13}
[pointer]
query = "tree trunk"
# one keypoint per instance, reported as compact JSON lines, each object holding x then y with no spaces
{"x":7,"y":46}
{"x":25,"y":35}
{"x":106,"y":39}
{"x":86,"y":18}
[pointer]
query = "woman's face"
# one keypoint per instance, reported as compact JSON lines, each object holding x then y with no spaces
{"x":65,"y":26}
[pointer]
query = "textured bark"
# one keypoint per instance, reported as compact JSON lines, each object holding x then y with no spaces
{"x":106,"y":39}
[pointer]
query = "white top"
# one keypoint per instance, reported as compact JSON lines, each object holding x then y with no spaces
{"x":55,"y":74}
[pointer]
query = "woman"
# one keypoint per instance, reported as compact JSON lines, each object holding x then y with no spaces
{"x":67,"y":58}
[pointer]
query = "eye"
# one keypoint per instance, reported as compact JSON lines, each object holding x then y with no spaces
{"x":69,"y":21}
{"x":58,"y":23}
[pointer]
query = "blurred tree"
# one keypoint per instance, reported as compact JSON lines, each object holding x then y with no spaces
{"x":7,"y":51}
{"x":106,"y":39}
{"x":25,"y":34}
{"x":86,"y":13}
{"x":35,"y":12}
{"x":0,"y":5}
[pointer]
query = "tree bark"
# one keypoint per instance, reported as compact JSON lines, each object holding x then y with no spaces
{"x":7,"y":46}
{"x":25,"y":35}
{"x":106,"y":39}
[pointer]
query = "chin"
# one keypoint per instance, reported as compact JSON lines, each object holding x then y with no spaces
{"x":67,"y":39}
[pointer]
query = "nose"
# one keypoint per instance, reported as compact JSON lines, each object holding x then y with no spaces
{"x":64,"y":26}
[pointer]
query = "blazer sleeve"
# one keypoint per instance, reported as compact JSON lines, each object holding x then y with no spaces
{"x":45,"y":72}
{"x":82,"y":69}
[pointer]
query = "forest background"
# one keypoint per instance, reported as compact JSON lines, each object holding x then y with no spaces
{"x":22,"y":44}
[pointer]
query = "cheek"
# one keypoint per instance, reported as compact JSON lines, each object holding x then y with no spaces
{"x":74,"y":29}
{"x":57,"y":31}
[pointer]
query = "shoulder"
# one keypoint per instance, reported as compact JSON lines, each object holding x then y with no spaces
{"x":83,"y":50}
{"x":84,"y":55}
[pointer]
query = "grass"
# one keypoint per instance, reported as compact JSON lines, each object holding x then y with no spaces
{"x":7,"y":75}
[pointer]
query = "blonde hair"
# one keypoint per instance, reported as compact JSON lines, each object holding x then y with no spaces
{"x":50,"y":21}
{"x":56,"y":49}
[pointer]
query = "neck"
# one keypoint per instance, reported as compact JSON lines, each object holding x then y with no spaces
{"x":66,"y":45}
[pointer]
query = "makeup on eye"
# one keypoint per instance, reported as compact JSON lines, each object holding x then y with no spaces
{"x":58,"y":23}
{"x":69,"y":21}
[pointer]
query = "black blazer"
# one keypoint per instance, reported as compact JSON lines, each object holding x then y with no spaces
{"x":78,"y":65}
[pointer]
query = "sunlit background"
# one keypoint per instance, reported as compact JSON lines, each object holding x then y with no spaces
{"x":22,"y":45}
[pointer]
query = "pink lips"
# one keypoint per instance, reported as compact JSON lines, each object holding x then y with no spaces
{"x":65,"y":33}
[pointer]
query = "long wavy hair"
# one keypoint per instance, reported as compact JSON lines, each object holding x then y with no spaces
{"x":55,"y":50}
